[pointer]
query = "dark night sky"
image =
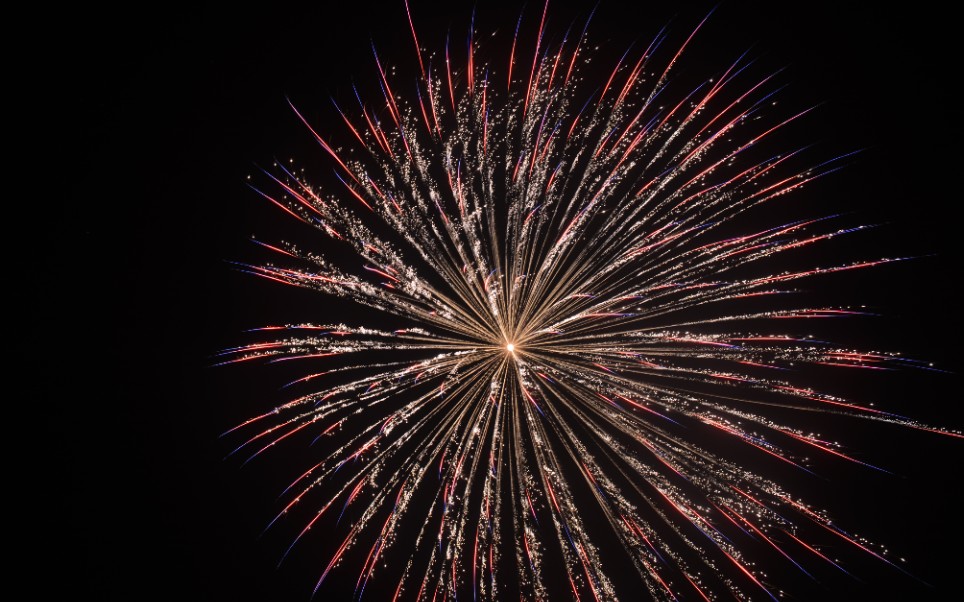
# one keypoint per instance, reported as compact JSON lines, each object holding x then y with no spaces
{"x":159,"y":122}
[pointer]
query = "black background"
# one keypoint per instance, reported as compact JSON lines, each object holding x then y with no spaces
{"x":159,"y":120}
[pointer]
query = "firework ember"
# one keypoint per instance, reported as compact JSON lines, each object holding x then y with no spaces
{"x":580,"y":332}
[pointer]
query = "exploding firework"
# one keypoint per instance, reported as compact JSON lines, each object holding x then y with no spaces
{"x":582,"y":349}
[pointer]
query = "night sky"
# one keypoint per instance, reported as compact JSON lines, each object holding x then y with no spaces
{"x":159,"y":122}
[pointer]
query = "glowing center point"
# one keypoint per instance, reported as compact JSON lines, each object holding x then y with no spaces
{"x":510,"y":347}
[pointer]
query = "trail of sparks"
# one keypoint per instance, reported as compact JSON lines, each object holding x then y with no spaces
{"x":548,"y":248}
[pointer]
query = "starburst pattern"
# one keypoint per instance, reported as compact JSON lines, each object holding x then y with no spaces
{"x":581,"y":331}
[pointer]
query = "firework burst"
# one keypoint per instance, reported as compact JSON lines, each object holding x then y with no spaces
{"x":580,"y":339}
